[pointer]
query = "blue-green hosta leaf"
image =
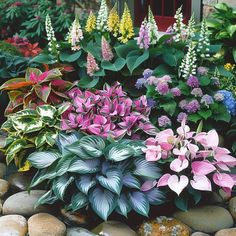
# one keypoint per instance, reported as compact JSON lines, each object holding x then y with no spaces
{"x":112,"y":181}
{"x":27,"y":125}
{"x":60,"y":185}
{"x":118,"y":152}
{"x":93,"y":145}
{"x":123,"y":206}
{"x":85,"y":182}
{"x":84,"y":167}
{"x":137,"y":146}
{"x":155,"y":196}
{"x":42,"y":160}
{"x":64,"y":164}
{"x":139,"y":203}
{"x":46,"y":111}
{"x":131,"y":181}
{"x":76,"y":149}
{"x":79,"y":201}
{"x":47,"y":198}
{"x":103,"y":202}
{"x":146,"y":169}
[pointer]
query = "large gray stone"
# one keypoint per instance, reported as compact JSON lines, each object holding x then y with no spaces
{"x":4,"y":186}
{"x":226,"y":232}
{"x":23,"y":203}
{"x":13,"y":225}
{"x":208,"y":219}
{"x":3,"y":170}
{"x":232,"y":207}
{"x":44,"y":224}
{"x":114,"y":228}
{"x":199,"y":234}
{"x":19,"y":181}
{"x":79,"y":232}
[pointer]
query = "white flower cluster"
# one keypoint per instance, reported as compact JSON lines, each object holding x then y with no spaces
{"x":179,"y":27}
{"x":152,"y":28}
{"x":102,"y":18}
{"x":188,"y":65}
{"x":75,"y":35}
{"x":204,"y":41}
{"x":52,"y":42}
{"x":191,"y":27}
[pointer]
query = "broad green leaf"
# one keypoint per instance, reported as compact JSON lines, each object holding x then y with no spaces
{"x":204,"y":81}
{"x":234,"y":54}
{"x":112,"y":180}
{"x":182,"y":202}
{"x":93,"y":145}
{"x":136,"y":145}
{"x":139,"y":203}
{"x":84,"y":167}
{"x":194,"y":118}
{"x":123,"y":49}
{"x":102,"y":202}
{"x":131,"y":181}
{"x":27,"y":113}
{"x":116,"y":66}
{"x":85,"y":182}
{"x":123,"y":206}
{"x":155,"y":196}
{"x":118,"y":152}
{"x":87,"y":82}
{"x":44,"y":159}
{"x":169,"y":107}
{"x":76,"y":149}
{"x":67,"y":57}
{"x":47,"y":198}
{"x":43,"y":91}
{"x":44,"y":59}
{"x":205,"y":114}
{"x":40,"y":139}
{"x":221,"y":114}
{"x":27,"y":125}
{"x":46,"y":111}
{"x":60,"y":185}
{"x":79,"y":201}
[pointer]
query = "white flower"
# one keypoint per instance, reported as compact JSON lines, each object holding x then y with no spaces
{"x":102,"y":18}
{"x":75,"y":35}
{"x":152,"y":28}
{"x":179,"y":27}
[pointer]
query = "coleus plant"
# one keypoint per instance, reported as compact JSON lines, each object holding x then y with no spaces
{"x":107,"y":113}
{"x":93,"y":172}
{"x":194,"y":163}
{"x":37,"y":88}
{"x":29,"y":130}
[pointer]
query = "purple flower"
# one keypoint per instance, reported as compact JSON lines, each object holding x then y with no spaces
{"x":182,"y":116}
{"x":151,"y":102}
{"x":162,"y":88}
{"x":193,"y":82}
{"x":207,"y":100}
{"x":197,"y":92}
{"x":183,"y":104}
{"x":201,"y":70}
{"x":140,"y":83}
{"x":215,"y":81}
{"x":143,"y":40}
{"x":176,"y":92}
{"x":219,"y":97}
{"x":193,"y":106}
{"x":164,"y":121}
{"x":147,"y":73}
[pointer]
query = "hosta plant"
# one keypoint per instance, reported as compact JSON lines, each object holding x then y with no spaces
{"x":107,"y":113}
{"x":29,"y":130}
{"x":194,"y":163}
{"x":87,"y":171}
{"x":37,"y":88}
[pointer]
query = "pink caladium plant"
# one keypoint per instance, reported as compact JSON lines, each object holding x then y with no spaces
{"x":194,"y":160}
{"x":107,"y":113}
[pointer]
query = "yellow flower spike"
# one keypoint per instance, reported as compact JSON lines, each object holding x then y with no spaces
{"x":114,"y":21}
{"x":229,"y":66}
{"x":91,"y":23}
{"x":126,"y":26}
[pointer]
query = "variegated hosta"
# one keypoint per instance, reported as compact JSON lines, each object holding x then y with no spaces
{"x":90,"y":171}
{"x":37,"y":88}
{"x":29,"y":130}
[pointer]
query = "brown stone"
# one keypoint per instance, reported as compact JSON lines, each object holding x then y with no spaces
{"x":232,"y":207}
{"x":199,"y":234}
{"x":163,"y":226}
{"x":43,"y":224}
{"x":19,"y":181}
{"x":226,"y":232}
{"x":3,"y":169}
{"x":4,"y":186}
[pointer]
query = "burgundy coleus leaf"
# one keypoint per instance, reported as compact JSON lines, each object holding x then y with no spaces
{"x":43,"y":91}
{"x":60,"y":84}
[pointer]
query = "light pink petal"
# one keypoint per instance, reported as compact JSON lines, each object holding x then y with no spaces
{"x":180,"y":152}
{"x":148,"y":185}
{"x":220,"y":150}
{"x":223,"y":180}
{"x":201,"y":182}
{"x":223,"y":166}
{"x":166,"y":146}
{"x":177,"y":185}
{"x":163,"y":181}
{"x":212,"y":138}
{"x":227,"y":159}
{"x":204,"y":153}
{"x":178,"y":165}
{"x":193,"y":148}
{"x":202,"y":168}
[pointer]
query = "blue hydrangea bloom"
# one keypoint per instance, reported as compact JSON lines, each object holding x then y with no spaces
{"x":229,"y":101}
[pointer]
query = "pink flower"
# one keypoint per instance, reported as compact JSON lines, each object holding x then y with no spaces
{"x":92,"y":65}
{"x":179,"y":164}
{"x":201,"y":182}
{"x":163,"y":181}
{"x":107,"y":54}
{"x":178,"y":184}
{"x":225,"y":181}
{"x":202,"y":168}
{"x":153,"y":153}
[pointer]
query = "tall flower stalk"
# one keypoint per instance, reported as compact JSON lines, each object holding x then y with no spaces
{"x":190,"y":32}
{"x":144,"y":40}
{"x":91,"y":23}
{"x":92,"y":65}
{"x":179,"y":27}
{"x":152,"y":28}
{"x":126,"y":28}
{"x":114,"y":21}
{"x":107,"y":54}
{"x":102,"y":17}
{"x":75,"y":35}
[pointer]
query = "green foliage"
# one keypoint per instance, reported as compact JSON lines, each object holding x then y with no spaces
{"x":9,"y":48}
{"x":91,"y":171}
{"x":29,"y":130}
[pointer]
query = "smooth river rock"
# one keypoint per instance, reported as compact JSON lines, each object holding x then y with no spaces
{"x":208,"y":219}
{"x":200,"y":234}
{"x":4,"y":186}
{"x":226,"y":232}
{"x":232,"y":207}
{"x":19,"y":181}
{"x":43,"y":224}
{"x":79,"y":232}
{"x":13,"y":225}
{"x":114,"y":228}
{"x":23,"y":203}
{"x":3,"y":169}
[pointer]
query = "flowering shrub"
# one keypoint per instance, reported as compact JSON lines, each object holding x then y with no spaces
{"x":93,"y":173}
{"x":107,"y":113}
{"x":194,"y":161}
{"x":37,"y":88}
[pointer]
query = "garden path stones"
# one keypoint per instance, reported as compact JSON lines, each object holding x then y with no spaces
{"x":3,"y":170}
{"x":200,"y":234}
{"x":164,"y":226}
{"x":226,"y":232}
{"x":43,"y":224}
{"x":23,"y":203}
{"x":4,"y":186}
{"x":208,"y":219}
{"x":79,"y":232}
{"x":114,"y":228}
{"x":14,"y":225}
{"x":19,"y":181}
{"x":232,"y":207}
